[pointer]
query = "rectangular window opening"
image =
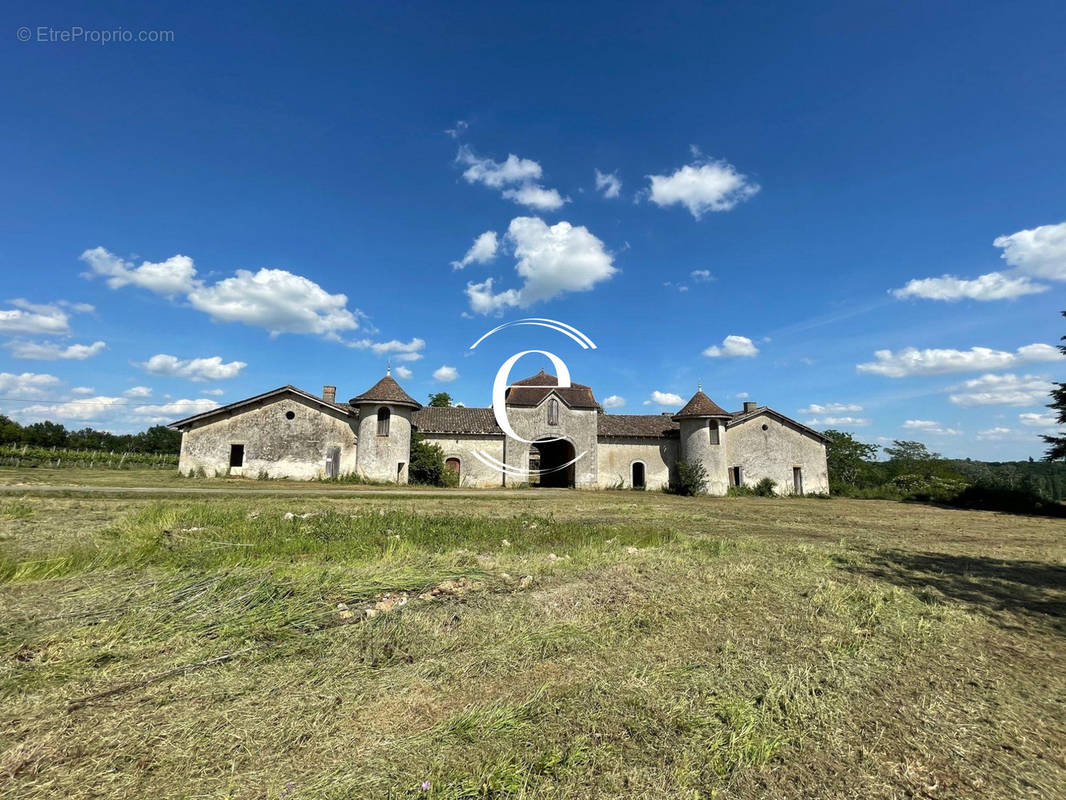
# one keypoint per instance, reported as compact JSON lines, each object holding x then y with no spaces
{"x":714,"y":433}
{"x":236,"y":455}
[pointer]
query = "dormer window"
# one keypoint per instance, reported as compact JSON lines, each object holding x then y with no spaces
{"x":553,"y":412}
{"x":383,"y":421}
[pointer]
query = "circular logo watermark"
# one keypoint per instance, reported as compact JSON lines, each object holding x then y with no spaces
{"x":500,"y":386}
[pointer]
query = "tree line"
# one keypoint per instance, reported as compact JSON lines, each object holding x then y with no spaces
{"x":157,"y":439}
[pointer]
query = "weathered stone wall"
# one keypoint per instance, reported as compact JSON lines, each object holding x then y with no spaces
{"x":773,"y":452}
{"x":472,"y":471}
{"x":616,"y":457}
{"x":696,"y":447}
{"x":273,"y":444}
{"x":380,"y":457}
{"x":578,"y":426}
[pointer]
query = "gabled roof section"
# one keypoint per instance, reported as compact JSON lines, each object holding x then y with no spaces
{"x":744,"y":416}
{"x":636,"y":426}
{"x":453,"y":419}
{"x":343,"y":408}
{"x":531,"y":391}
{"x":387,"y":390}
{"x":701,"y":406}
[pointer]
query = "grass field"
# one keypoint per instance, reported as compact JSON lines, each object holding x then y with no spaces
{"x":606,"y":644}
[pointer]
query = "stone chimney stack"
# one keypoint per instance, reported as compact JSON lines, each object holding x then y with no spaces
{"x":329,"y":394}
{"x":750,"y":405}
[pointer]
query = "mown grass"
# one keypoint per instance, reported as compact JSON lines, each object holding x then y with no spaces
{"x":639,"y":646}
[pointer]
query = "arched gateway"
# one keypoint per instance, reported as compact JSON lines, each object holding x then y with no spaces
{"x":550,"y":457}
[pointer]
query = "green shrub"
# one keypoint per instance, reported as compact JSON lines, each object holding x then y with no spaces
{"x":765,"y":487}
{"x":689,"y":479}
{"x":427,"y":463}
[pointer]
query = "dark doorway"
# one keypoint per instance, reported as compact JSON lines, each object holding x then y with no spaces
{"x":454,"y":465}
{"x":549,"y":457}
{"x":638,"y":475}
{"x":236,"y":455}
{"x":797,"y":480}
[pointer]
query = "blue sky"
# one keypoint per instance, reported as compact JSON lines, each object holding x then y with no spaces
{"x":740,"y":194}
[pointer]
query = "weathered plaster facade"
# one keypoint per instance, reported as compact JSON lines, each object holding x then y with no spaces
{"x":473,"y":472}
{"x":290,"y":433}
{"x":276,"y":445}
{"x":768,"y":446}
{"x":616,"y":458}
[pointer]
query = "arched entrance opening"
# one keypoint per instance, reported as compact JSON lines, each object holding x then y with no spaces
{"x":454,"y":465}
{"x":549,"y":457}
{"x":638,"y":475}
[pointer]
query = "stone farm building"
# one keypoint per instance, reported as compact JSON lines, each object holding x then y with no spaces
{"x":289,"y":433}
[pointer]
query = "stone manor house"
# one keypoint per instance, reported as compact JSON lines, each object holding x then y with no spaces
{"x":290,"y":433}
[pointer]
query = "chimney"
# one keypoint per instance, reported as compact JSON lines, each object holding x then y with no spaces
{"x":750,"y":405}
{"x":329,"y":394}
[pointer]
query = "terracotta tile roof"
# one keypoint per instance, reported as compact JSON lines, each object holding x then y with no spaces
{"x":430,"y":419}
{"x":387,"y":390}
{"x":701,"y":406}
{"x":657,"y":426}
{"x":530,"y":392}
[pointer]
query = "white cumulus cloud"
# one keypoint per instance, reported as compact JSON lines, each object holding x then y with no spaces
{"x":608,"y":183}
{"x":403,"y":372}
{"x":176,"y":275}
{"x":930,"y":426}
{"x":275,"y":299}
{"x":912,"y":361}
{"x":1005,"y":390}
{"x":399,"y":351}
{"x":193,"y":369}
{"x":829,"y":422}
{"x":49,"y":351}
{"x":445,"y":374}
{"x":830,"y":408}
{"x":613,"y":401}
{"x":1040,"y":252}
{"x":551,"y":260}
{"x":995,"y":434}
{"x":515,"y":178}
{"x":34,"y":318}
{"x":733,"y":346}
{"x":26,"y":384}
{"x":1034,"y":253}
{"x":701,"y":187}
{"x":174,"y":410}
{"x":482,"y":251}
{"x":83,"y":408}
{"x":1034,"y":420}
{"x":137,"y":391}
{"x":993,"y":286}
{"x":658,"y":398}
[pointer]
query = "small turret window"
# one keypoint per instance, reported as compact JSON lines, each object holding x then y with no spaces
{"x":383,"y":421}
{"x":553,"y":412}
{"x":714,"y":432}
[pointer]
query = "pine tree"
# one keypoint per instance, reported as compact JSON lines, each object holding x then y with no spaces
{"x":1057,"y":450}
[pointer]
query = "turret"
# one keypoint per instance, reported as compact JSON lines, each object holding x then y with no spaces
{"x":384,"y":449}
{"x":703,"y":439}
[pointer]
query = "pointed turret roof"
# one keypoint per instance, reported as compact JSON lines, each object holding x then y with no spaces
{"x":387,"y":390}
{"x":701,"y":406}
